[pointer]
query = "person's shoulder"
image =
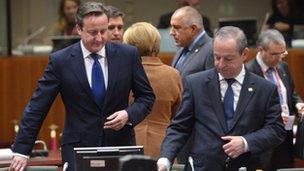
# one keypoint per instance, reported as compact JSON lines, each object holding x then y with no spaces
{"x":260,"y":81}
{"x":120,"y":46}
{"x":251,"y":64}
{"x":67,"y":50}
{"x":170,"y":70}
{"x":202,"y":75}
{"x":206,"y":40}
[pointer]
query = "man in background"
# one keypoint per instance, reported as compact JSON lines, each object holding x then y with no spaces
{"x":164,"y":20}
{"x":234,"y":114}
{"x":195,"y":53}
{"x":268,"y":64}
{"x":116,"y":24}
{"x":94,"y":78}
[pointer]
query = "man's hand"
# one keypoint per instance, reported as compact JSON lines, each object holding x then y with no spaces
{"x":234,"y":147}
{"x":300,"y":107}
{"x":285,"y":119}
{"x":161,"y":167}
{"x":117,"y":120}
{"x":18,"y":164}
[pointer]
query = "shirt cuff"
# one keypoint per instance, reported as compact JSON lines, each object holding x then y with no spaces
{"x":21,"y":155}
{"x":246,"y":148}
{"x":164,"y":161}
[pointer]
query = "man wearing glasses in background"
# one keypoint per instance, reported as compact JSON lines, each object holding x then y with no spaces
{"x":94,"y":78}
{"x":268,"y":64}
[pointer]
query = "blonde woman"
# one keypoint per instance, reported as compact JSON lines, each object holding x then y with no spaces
{"x":165,"y":81}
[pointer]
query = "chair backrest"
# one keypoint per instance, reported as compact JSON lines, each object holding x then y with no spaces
{"x":137,"y":163}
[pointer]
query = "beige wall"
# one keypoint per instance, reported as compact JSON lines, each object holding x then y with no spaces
{"x":32,"y":14}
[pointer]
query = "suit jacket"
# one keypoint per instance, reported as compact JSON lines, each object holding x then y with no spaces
{"x":257,"y":118}
{"x":200,"y":58}
{"x":292,"y":97}
{"x":281,"y":156}
{"x":167,"y":86}
{"x":65,"y":74}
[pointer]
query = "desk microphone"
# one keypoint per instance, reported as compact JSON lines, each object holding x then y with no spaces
{"x":190,"y":160}
{"x":33,"y":35}
{"x":65,"y":166}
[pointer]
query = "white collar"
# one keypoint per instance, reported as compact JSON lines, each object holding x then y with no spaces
{"x":86,"y":53}
{"x":261,"y":62}
{"x":239,"y":78}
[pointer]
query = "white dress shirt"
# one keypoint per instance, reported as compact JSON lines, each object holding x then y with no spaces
{"x":89,"y":61}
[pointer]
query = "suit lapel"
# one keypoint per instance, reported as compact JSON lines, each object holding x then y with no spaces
{"x":113,"y":66}
{"x":78,"y":67}
{"x":257,"y":68}
{"x":192,"y":54}
{"x":215,"y":95}
{"x":248,"y":89}
{"x":176,"y":56}
{"x":282,"y":75}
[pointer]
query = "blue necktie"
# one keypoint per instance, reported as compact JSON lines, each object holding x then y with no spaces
{"x":270,"y":76}
{"x":228,"y":103}
{"x":182,"y":58}
{"x":98,"y":85}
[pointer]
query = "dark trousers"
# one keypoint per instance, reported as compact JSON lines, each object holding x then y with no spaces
{"x":279,"y":157}
{"x":182,"y":156}
{"x":67,"y":155}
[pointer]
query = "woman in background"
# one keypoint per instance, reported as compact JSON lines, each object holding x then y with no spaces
{"x":66,"y":24}
{"x":282,"y":18}
{"x":165,"y":81}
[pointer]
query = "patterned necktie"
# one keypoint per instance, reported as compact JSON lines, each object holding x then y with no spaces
{"x":228,"y":103}
{"x":182,"y":58}
{"x":98,"y":85}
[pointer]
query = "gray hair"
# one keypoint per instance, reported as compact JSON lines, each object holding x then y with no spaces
{"x":270,"y":36}
{"x":231,"y":32}
{"x":191,"y":16}
{"x":114,"y":12}
{"x":90,"y":8}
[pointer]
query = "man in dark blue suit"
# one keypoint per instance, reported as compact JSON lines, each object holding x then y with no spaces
{"x":94,"y":78}
{"x":234,"y":114}
{"x":271,"y":50}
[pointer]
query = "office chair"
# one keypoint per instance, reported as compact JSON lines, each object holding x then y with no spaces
{"x":137,"y":163}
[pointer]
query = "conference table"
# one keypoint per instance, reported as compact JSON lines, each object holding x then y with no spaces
{"x":53,"y":159}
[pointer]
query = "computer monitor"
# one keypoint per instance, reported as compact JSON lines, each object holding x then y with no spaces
{"x":248,"y":25}
{"x":60,"y":42}
{"x":102,"y":158}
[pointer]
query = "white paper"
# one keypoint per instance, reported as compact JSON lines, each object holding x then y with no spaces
{"x":6,"y":154}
